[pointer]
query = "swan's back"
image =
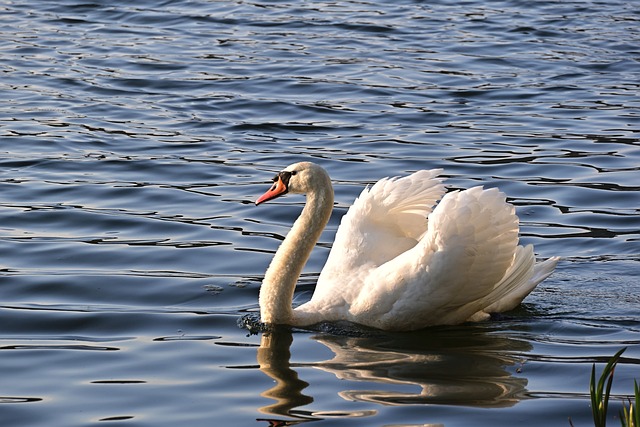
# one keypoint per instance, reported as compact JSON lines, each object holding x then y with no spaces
{"x":398,"y":263}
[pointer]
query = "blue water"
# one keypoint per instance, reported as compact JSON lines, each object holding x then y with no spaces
{"x":135,"y":136}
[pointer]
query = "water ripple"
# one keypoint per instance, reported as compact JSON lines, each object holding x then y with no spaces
{"x":135,"y":138}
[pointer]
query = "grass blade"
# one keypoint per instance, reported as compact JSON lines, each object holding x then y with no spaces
{"x":600,"y":396}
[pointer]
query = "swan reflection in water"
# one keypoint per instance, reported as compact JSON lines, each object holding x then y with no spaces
{"x":464,"y":365}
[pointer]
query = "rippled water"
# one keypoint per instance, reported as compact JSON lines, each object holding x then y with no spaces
{"x":136,"y":135}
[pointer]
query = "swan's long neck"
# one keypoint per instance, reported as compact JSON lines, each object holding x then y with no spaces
{"x":276,"y":292}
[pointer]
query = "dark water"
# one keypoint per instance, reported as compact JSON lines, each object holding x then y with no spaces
{"x":136,"y":135}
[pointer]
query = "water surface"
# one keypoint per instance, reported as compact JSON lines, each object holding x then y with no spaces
{"x":136,"y":136}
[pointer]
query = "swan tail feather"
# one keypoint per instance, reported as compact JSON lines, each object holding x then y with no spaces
{"x":520,"y":280}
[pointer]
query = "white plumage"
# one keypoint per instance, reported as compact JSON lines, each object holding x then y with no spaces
{"x":399,"y":261}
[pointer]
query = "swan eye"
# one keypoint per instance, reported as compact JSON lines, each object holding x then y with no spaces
{"x":294,"y":172}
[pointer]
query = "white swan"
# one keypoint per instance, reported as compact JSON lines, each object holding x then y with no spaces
{"x":398,"y":263}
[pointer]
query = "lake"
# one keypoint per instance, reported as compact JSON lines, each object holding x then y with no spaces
{"x":136,"y":136}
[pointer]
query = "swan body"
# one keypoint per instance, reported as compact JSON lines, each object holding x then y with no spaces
{"x":399,"y":261}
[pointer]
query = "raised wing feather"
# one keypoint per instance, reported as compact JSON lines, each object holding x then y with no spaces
{"x":446,"y":278}
{"x":383,"y":222}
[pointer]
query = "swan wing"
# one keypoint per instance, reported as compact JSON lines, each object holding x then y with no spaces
{"x":454,"y":271}
{"x":383,"y":222}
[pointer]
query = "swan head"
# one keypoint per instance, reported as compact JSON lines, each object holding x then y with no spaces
{"x":298,"y":178}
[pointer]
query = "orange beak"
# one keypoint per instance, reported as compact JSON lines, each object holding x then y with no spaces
{"x":277,"y":189}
